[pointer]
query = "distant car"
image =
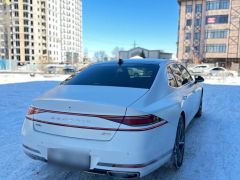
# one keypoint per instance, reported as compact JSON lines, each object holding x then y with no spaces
{"x":107,"y":120}
{"x":60,"y":68}
{"x":220,"y":71}
{"x":69,"y":70}
{"x":199,"y":69}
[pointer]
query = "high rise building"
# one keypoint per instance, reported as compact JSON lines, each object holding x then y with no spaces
{"x":42,"y":31}
{"x":209,"y":31}
{"x":4,"y":30}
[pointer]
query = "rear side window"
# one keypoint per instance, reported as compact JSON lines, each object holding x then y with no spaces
{"x":186,"y":76}
{"x":171,"y":79}
{"x":125,"y":75}
{"x":218,"y":69}
{"x":177,"y":74}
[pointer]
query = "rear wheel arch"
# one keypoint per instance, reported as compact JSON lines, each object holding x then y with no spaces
{"x":172,"y":162}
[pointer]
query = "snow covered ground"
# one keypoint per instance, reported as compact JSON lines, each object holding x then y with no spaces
{"x":212,"y":142}
{"x":19,"y":78}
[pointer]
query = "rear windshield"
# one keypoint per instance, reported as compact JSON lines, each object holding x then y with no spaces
{"x":125,"y":75}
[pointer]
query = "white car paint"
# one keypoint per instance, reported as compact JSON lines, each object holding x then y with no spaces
{"x":199,"y":69}
{"x":73,"y":118}
{"x":220,"y":71}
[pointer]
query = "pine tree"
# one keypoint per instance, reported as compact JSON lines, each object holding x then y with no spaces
{"x":142,"y":54}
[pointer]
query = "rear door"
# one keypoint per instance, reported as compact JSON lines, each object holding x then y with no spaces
{"x":185,"y":91}
{"x":194,"y":90}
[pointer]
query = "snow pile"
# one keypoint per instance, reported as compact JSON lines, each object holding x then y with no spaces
{"x":18,"y":78}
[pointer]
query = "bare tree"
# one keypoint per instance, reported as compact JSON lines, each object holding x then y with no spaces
{"x":100,"y":56}
{"x":115,"y":52}
{"x":85,"y":56}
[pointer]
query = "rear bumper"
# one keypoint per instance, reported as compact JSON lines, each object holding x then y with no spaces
{"x":126,"y":155}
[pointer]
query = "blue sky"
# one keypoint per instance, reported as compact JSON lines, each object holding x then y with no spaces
{"x":110,"y":23}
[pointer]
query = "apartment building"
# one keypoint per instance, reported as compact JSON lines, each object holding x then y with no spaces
{"x":44,"y":31}
{"x":4,"y":31}
{"x":209,"y":31}
{"x":71,"y":29}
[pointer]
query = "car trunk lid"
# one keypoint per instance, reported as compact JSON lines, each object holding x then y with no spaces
{"x":85,"y":112}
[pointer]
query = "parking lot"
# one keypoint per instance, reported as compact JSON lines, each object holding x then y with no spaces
{"x":212,"y":142}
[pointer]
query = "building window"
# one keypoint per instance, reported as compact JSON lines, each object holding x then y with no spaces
{"x":217,"y":19}
{"x":25,"y":22}
{"x":188,"y":8}
{"x":26,"y":43}
{"x":197,"y":49}
{"x":27,"y":58}
{"x":188,"y":35}
{"x":17,"y":29}
{"x":196,"y":35}
{"x":26,"y":51}
{"x":25,"y":29}
{"x":216,"y":34}
{"x":25,"y":14}
{"x":215,"y":48}
{"x":187,"y":49}
{"x":26,"y":36}
{"x":198,"y":22}
{"x":16,"y":6}
{"x":16,"y":14}
{"x":220,"y":4}
{"x":25,"y":7}
{"x":189,"y":22}
{"x":198,"y":8}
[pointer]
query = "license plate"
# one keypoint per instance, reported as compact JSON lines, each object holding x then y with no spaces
{"x":68,"y":158}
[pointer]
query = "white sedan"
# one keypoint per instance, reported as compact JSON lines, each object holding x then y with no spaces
{"x":109,"y":120}
{"x":220,"y":71}
{"x":199,"y":69}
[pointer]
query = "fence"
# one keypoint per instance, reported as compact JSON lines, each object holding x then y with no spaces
{"x":5,"y":64}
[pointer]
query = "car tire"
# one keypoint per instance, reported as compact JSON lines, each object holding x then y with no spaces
{"x":199,"y":112}
{"x":179,"y":145}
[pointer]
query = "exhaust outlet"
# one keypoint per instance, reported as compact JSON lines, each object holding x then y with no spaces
{"x":127,"y":175}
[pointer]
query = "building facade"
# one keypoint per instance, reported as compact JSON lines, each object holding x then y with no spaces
{"x":44,"y":31}
{"x":144,"y":53}
{"x":4,"y":31}
{"x":209,"y":31}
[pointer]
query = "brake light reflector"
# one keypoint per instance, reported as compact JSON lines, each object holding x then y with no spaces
{"x":33,"y":110}
{"x":141,"y":120}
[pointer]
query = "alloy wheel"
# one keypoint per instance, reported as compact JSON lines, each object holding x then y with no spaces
{"x":179,"y":144}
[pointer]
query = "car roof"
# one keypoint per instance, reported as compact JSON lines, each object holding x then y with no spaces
{"x":139,"y":61}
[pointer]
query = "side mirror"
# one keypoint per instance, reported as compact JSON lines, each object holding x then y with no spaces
{"x":198,"y":79}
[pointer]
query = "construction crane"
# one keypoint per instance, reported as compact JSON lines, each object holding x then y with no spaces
{"x":234,"y":33}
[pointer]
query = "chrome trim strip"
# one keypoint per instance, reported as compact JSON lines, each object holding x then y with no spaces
{"x":100,"y":128}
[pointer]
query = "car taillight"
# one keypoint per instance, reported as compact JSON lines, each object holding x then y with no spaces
{"x":141,"y":120}
{"x":33,"y":110}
